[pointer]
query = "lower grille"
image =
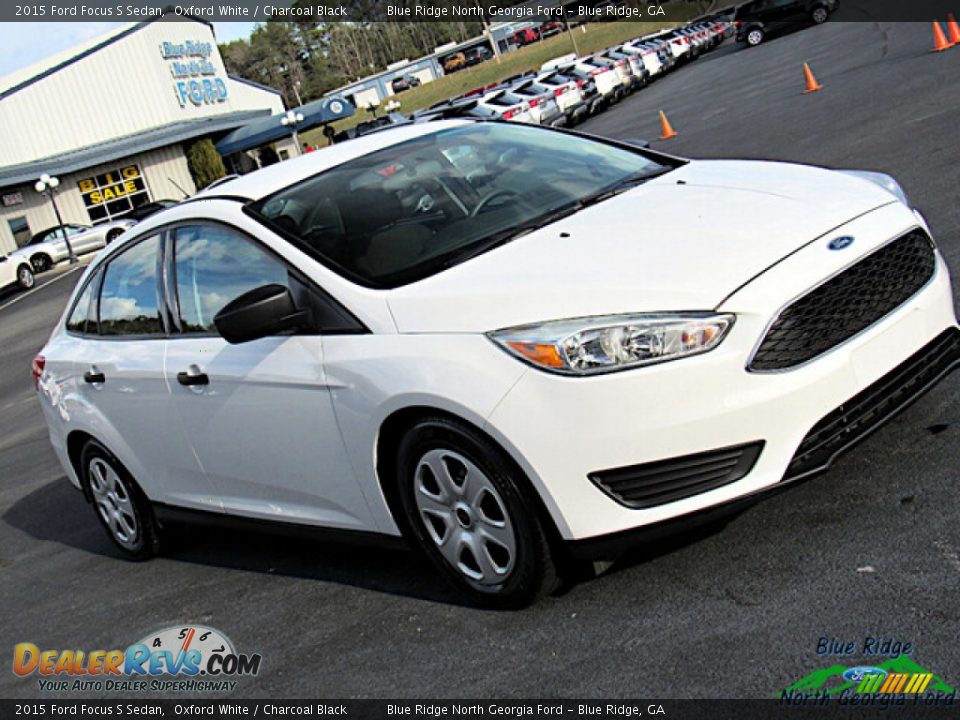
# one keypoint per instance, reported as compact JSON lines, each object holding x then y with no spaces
{"x":863,"y":413}
{"x":664,"y":481}
{"x":847,"y":303}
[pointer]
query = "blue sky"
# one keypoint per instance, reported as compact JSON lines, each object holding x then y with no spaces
{"x":24,"y":43}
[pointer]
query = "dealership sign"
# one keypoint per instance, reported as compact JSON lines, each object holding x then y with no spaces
{"x":193,"y":72}
{"x":113,"y":193}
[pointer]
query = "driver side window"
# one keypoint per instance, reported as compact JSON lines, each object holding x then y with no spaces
{"x":212,"y":266}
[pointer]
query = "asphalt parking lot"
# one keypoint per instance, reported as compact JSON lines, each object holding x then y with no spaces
{"x":871,"y":547}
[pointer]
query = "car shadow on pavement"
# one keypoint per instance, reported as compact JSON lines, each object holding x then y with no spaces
{"x":57,"y":513}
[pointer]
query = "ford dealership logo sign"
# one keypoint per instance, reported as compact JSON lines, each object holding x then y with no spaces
{"x":856,"y":674}
{"x":840,"y":243}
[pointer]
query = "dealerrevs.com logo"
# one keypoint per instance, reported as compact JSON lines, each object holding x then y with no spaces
{"x":187,"y":658}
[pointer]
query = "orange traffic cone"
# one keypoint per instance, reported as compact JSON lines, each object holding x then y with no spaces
{"x":953,"y":29}
{"x":939,"y":39}
{"x":812,"y":84}
{"x":666,"y":132}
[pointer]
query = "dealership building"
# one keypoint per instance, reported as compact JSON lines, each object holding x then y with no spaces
{"x":113,"y":118}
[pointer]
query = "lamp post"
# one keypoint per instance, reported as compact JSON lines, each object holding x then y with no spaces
{"x":47,"y":185}
{"x":291,"y":120}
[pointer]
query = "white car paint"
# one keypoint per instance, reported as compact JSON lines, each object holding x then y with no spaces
{"x":648,"y":55}
{"x":607,"y":80}
{"x":288,"y":427}
{"x":12,"y":272}
{"x":52,"y":248}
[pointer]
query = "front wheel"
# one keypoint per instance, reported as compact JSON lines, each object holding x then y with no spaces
{"x":41,"y":263}
{"x":820,"y":15}
{"x":469,"y":511}
{"x":113,"y":235}
{"x":121,"y":507}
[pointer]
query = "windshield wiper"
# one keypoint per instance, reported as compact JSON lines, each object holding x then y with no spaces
{"x":630,"y":181}
{"x":502,"y":238}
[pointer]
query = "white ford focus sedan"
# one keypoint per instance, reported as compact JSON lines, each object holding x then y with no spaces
{"x":510,"y":345}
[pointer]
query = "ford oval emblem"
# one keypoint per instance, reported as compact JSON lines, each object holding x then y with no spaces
{"x":856,"y":674}
{"x":840,"y":243}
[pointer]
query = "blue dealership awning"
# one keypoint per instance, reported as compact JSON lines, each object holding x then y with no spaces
{"x":267,"y":130}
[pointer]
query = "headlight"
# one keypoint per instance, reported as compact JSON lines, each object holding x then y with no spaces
{"x":883,"y":180}
{"x":587,"y":346}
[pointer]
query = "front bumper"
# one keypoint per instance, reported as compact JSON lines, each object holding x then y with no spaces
{"x":563,"y":429}
{"x":850,"y":423}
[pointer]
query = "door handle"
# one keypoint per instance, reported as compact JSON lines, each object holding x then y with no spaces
{"x":185,"y":378}
{"x":94,"y":377}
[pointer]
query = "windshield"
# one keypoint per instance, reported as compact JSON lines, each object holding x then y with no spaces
{"x":409,"y":211}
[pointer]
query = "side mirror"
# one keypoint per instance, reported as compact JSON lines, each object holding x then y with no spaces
{"x":261,"y":312}
{"x":637,"y":142}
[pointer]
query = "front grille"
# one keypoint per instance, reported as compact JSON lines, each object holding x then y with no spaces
{"x":847,"y":303}
{"x":866,"y":411}
{"x":664,"y":481}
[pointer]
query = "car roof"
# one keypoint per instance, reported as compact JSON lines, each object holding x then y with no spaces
{"x":55,"y":227}
{"x":271,"y":179}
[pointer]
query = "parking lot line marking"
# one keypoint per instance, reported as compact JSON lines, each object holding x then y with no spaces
{"x":30,"y":292}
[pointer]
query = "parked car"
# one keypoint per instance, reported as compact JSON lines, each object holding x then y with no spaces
{"x":454,"y":62}
{"x":477,"y":55}
{"x":757,"y":20}
{"x":568,"y":92}
{"x":147,"y":209}
{"x":525,"y":37}
{"x":638,"y":73}
{"x":16,"y":271}
{"x":508,"y":344}
{"x":368,"y":126}
{"x":607,"y":81}
{"x":648,"y":56}
{"x":618,"y":68}
{"x":505,"y":105}
{"x":544,"y":107}
{"x":48,"y":247}
{"x":404,"y":82}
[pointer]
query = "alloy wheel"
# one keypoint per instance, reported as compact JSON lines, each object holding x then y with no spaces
{"x":113,"y":502}
{"x":25,"y":277}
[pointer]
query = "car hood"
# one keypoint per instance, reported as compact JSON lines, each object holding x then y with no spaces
{"x":683,"y":241}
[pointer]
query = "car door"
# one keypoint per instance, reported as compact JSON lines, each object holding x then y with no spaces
{"x":781,"y":13}
{"x":84,"y":239}
{"x":8,"y":271}
{"x":259,"y":414}
{"x":119,"y":367}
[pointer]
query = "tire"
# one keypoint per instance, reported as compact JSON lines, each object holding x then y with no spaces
{"x":819,"y":15}
{"x":41,"y":263}
{"x":122,"y":509}
{"x":113,"y":235}
{"x":754,"y":37}
{"x":468,"y":509}
{"x":25,"y":277}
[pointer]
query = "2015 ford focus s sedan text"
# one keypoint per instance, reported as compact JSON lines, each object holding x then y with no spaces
{"x":510,"y":345}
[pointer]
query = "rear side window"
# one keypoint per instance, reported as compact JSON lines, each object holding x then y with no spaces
{"x":215,"y":265}
{"x":77,"y":323}
{"x":128,"y":297}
